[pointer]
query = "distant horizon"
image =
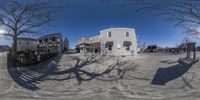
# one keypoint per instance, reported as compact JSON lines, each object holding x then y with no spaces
{"x":9,"y":43}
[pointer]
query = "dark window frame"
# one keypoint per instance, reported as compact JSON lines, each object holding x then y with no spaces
{"x":127,"y":46}
{"x":109,"y":47}
{"x":127,"y":34}
{"x":109,"y":34}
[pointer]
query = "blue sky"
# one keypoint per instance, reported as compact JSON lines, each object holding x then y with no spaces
{"x":85,"y":18}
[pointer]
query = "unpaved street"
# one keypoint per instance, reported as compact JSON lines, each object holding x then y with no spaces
{"x":74,"y":77}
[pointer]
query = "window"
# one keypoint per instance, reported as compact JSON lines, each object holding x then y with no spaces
{"x":109,"y":47}
{"x":109,"y":34}
{"x":19,"y":42}
{"x":46,"y":40}
{"x":53,"y":39}
{"x":40,"y":41}
{"x":127,"y":47}
{"x":127,"y":34}
{"x":58,"y":40}
{"x":27,"y":42}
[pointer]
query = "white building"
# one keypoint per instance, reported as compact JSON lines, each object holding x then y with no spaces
{"x":91,"y":44}
{"x":26,"y":44}
{"x":112,"y":41}
{"x":118,"y":41}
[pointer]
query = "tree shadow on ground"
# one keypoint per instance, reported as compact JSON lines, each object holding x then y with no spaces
{"x":29,"y":78}
{"x":164,"y":75}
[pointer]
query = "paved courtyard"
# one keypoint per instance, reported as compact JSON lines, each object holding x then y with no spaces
{"x":84,"y":77}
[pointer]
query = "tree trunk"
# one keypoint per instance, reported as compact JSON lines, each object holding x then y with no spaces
{"x":14,"y":45}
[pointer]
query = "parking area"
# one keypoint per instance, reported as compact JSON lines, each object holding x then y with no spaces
{"x":75,"y":76}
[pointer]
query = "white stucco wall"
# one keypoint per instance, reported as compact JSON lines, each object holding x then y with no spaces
{"x":118,"y":36}
{"x":23,"y":45}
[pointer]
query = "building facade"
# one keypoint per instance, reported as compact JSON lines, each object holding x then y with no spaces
{"x":26,"y":44}
{"x":91,"y":45}
{"x":4,"y":48}
{"x":112,"y":41}
{"x":51,"y":43}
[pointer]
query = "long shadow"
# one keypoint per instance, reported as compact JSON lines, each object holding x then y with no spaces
{"x":29,"y":78}
{"x":80,"y":74}
{"x":163,"y":75}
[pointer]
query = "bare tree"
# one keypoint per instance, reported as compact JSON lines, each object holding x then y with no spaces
{"x":24,"y":17}
{"x":183,"y":13}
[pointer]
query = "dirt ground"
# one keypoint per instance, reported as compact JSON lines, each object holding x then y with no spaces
{"x":84,"y":77}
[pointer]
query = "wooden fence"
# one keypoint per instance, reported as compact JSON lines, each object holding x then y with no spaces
{"x":26,"y":60}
